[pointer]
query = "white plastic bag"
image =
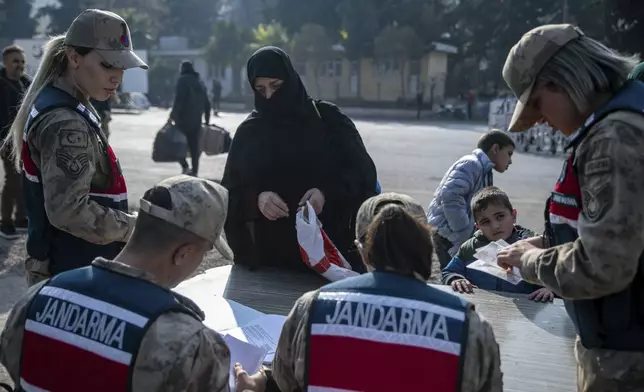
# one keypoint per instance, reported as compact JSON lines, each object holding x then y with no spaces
{"x":317,"y":250}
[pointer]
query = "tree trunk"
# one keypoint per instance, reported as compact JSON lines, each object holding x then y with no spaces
{"x":402,"y":78}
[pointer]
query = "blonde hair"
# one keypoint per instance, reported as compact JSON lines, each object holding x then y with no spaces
{"x":52,"y":65}
{"x":585,"y":68}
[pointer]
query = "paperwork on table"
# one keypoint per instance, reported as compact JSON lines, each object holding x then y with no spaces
{"x":487,"y":262}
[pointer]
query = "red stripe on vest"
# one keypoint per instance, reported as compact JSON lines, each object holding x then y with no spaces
{"x":117,"y":186}
{"x":27,"y":163}
{"x":567,"y":185}
{"x":364,"y":365}
{"x":567,"y":212}
{"x":59,"y":367}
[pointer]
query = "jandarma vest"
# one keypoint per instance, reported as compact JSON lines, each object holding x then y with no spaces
{"x":84,"y":328}
{"x":616,"y":321}
{"x":64,"y":250}
{"x":369,"y":333}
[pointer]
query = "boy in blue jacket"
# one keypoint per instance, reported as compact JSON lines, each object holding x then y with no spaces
{"x":449,"y":212}
{"x":496,"y":220}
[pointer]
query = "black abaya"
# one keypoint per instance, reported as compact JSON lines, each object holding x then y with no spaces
{"x":288,"y":145}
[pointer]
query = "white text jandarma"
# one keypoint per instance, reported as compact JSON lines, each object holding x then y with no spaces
{"x":88,"y":323}
{"x":386,"y":318}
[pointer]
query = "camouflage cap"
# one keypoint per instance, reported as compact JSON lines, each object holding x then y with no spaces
{"x":525,"y":61}
{"x":198,"y":205}
{"x":108,"y":34}
{"x":372,"y":206}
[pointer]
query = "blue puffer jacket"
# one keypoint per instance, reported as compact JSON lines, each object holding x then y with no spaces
{"x":449,"y":212}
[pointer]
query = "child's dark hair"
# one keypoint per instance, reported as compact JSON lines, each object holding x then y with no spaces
{"x":488,"y":196}
{"x":12,"y":49}
{"x":397,"y":241}
{"x":490,"y":138}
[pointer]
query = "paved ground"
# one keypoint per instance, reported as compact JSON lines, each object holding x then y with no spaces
{"x":411,"y":158}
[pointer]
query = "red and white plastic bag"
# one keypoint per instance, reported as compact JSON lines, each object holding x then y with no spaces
{"x":318,"y":251}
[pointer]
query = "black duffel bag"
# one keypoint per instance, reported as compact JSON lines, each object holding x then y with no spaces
{"x":170,"y":145}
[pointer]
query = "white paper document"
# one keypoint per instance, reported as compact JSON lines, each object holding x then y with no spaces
{"x":263,"y":332}
{"x":487,"y":262}
{"x":248,"y":355}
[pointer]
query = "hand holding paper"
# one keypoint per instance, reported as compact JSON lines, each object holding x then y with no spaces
{"x":510,"y":256}
{"x":487,"y":261}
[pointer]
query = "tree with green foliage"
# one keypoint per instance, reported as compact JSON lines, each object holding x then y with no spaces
{"x":229,"y":46}
{"x":400,"y":45}
{"x":61,"y":15}
{"x":312,"y":44}
{"x":293,"y":14}
{"x":192,"y":19}
{"x":17,"y":21}
{"x":273,"y":34}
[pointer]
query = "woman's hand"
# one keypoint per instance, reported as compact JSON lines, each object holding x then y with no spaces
{"x":542,"y":295}
{"x":254,"y":383}
{"x":272,"y":206}
{"x":463,"y":286}
{"x":316,"y":198}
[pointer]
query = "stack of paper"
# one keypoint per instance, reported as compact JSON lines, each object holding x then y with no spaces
{"x":264,"y":332}
{"x":487,"y":262}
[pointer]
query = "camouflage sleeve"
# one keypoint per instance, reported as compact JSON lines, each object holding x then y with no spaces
{"x":13,"y":331}
{"x":180,"y":354}
{"x":605,"y":257}
{"x":289,"y":364}
{"x":68,"y":159}
{"x":482,"y":366}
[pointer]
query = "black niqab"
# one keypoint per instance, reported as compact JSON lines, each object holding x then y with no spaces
{"x":290,"y":101}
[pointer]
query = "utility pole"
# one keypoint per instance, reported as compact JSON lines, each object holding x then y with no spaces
{"x":565,"y":11}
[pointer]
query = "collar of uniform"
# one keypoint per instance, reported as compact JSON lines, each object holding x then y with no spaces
{"x":127,"y":270}
{"x":62,"y":84}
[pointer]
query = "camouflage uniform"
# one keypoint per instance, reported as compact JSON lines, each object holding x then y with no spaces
{"x":604,"y":260}
{"x":178,"y":353}
{"x":71,"y":159}
{"x":69,"y":155}
{"x":481,"y":370}
{"x":64,"y":133}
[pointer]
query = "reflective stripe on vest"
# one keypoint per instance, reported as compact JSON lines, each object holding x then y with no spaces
{"x":83,"y":331}
{"x":46,"y":241}
{"x":366,"y":342}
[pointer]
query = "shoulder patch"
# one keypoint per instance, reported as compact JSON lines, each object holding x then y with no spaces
{"x":73,"y":138}
{"x":598,"y":166}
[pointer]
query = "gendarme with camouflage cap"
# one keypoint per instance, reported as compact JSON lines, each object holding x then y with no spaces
{"x":198,"y":205}
{"x":524,"y":62}
{"x":372,"y":206}
{"x":108,"y":34}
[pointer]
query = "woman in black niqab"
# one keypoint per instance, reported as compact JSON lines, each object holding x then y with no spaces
{"x":289,"y":149}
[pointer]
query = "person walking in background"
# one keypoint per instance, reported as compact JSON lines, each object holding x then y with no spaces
{"x":216,"y":96}
{"x":419,"y":100}
{"x":13,"y":85}
{"x":190,"y":103}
